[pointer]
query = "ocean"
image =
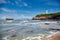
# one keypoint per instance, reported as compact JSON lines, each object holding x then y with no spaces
{"x":20,"y":29}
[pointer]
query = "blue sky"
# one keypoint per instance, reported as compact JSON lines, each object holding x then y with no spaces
{"x":27,"y":8}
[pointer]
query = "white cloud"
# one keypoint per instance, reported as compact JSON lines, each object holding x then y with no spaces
{"x":4,"y":17}
{"x":25,"y":4}
{"x":28,"y":11}
{"x":22,"y":3}
{"x":24,"y":17}
{"x":7,"y":10}
{"x":2,"y":1}
{"x":17,"y":2}
{"x":15,"y":16}
{"x":12,"y":3}
{"x":9,"y":2}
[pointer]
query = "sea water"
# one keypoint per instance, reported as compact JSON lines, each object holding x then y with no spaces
{"x":25,"y":28}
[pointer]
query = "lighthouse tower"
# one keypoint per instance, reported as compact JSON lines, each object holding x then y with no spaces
{"x":46,"y":11}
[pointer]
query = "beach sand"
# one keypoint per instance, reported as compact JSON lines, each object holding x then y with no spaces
{"x":54,"y":36}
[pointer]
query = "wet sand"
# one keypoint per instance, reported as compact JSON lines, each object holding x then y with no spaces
{"x":54,"y":36}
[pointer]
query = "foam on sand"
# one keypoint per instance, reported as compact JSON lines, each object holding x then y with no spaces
{"x":40,"y":37}
{"x":54,"y":36}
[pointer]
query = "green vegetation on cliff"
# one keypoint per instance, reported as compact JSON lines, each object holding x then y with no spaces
{"x":48,"y":15}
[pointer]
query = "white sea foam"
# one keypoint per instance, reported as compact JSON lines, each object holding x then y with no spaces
{"x":40,"y":37}
{"x":11,"y":24}
{"x":10,"y":21}
{"x":5,"y":38}
{"x":31,"y":25}
{"x":58,"y":32}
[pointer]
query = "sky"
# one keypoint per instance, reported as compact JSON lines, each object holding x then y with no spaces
{"x":19,"y":9}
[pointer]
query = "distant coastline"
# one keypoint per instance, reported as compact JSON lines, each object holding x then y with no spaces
{"x":51,"y":16}
{"x":9,"y":19}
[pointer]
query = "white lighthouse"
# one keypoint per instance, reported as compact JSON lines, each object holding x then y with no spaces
{"x":46,"y":11}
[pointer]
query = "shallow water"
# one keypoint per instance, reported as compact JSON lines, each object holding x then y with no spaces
{"x":25,"y":28}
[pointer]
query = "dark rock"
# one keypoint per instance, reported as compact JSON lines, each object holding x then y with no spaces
{"x":9,"y":19}
{"x":57,"y":17}
{"x":31,"y":31}
{"x":14,"y":35}
{"x":54,"y":29}
{"x":47,"y":23}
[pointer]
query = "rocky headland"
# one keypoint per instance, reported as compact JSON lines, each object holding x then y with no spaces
{"x":51,"y":16}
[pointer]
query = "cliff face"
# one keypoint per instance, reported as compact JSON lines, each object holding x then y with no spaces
{"x":39,"y":18}
{"x":56,"y":17}
{"x":46,"y":18}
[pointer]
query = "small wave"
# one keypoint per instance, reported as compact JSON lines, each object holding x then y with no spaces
{"x":39,"y":37}
{"x":58,"y":32}
{"x":10,"y":24}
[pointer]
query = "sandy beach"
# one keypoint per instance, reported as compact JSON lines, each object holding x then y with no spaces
{"x":54,"y":36}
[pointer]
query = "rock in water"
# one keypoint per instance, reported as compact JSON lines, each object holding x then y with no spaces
{"x":14,"y":35}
